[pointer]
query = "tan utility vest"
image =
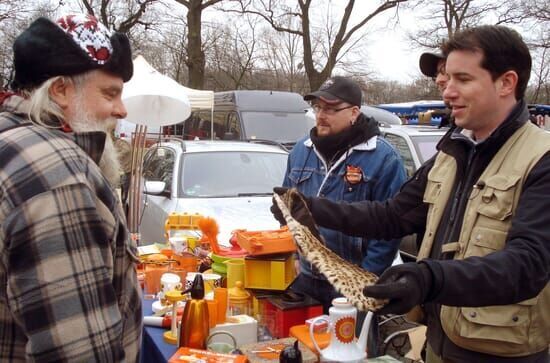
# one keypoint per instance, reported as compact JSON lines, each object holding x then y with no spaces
{"x":508,"y":330}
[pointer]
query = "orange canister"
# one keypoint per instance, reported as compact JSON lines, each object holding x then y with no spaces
{"x":155,"y":266}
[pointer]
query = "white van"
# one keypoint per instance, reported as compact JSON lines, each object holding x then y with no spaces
{"x":262,"y":116}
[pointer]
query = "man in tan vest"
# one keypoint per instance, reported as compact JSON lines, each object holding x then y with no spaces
{"x":483,"y":204}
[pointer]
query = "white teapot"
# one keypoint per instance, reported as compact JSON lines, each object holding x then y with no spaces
{"x":343,"y":347}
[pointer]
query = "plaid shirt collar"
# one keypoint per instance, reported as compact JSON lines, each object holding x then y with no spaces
{"x":93,"y":142}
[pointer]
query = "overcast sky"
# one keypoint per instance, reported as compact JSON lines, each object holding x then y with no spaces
{"x":389,"y":52}
{"x":392,"y":58}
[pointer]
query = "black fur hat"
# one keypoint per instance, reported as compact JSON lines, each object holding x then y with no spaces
{"x":72,"y":45}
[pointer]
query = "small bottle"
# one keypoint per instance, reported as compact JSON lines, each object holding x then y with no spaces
{"x":291,"y":354}
{"x":195,"y":321}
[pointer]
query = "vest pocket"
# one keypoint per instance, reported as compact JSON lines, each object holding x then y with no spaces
{"x":433,"y":189}
{"x":499,"y":330}
{"x":434,"y":184}
{"x":497,"y":198}
{"x":484,"y":241}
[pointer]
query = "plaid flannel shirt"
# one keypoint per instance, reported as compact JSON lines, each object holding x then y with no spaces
{"x":68,"y":285}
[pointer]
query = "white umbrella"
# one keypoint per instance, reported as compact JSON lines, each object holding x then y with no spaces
{"x":153,"y":99}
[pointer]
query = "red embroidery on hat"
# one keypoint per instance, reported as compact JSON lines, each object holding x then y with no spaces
{"x":101,"y":54}
{"x":70,"y":24}
{"x":90,"y":24}
{"x":92,"y":36}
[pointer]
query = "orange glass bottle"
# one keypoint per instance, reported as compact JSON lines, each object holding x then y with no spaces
{"x":195,"y":321}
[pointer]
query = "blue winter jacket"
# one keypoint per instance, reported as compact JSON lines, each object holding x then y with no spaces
{"x":382,"y":175}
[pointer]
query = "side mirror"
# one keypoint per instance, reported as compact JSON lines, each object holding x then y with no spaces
{"x":155,"y":188}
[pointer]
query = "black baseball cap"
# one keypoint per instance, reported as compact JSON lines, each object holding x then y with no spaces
{"x":428,"y":63}
{"x":337,"y":90}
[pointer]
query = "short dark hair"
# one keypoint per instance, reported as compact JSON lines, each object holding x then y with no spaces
{"x":502,"y":49}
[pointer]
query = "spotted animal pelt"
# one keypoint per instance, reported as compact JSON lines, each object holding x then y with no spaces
{"x":347,"y":278}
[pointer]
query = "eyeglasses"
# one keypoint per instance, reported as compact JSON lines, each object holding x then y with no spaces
{"x":328,"y":111}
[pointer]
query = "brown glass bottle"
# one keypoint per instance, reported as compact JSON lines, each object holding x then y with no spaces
{"x":194,"y":321}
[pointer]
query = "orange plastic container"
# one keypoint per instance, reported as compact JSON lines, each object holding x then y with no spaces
{"x":301,"y":332}
{"x":266,"y":242}
{"x":181,"y":221}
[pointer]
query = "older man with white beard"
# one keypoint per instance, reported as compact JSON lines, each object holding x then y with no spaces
{"x":68,"y":285}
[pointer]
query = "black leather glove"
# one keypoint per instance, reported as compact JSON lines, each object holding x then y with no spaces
{"x":299,"y":211}
{"x":405,"y":286}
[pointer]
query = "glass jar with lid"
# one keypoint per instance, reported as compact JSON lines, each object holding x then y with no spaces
{"x":240,"y":300}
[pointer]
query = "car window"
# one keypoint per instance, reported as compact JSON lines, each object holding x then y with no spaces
{"x":191,"y":127}
{"x":277,"y":126}
{"x":425,"y":146}
{"x":401,"y":146}
{"x":203,"y":129}
{"x":230,"y":173}
{"x":234,"y":126}
{"x":158,"y":165}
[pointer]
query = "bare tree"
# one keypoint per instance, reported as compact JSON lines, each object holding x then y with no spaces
{"x":196,"y":60}
{"x":538,"y":12}
{"x":233,"y":55}
{"x":281,"y":53}
{"x":174,"y":44}
{"x":9,"y":9}
{"x":539,"y":92}
{"x":15,"y":15}
{"x":120,"y":15}
{"x":277,"y":13}
{"x":443,"y":18}
{"x":446,"y":17}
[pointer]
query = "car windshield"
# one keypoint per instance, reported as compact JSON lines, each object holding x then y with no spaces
{"x":425,"y":146}
{"x":231,"y":174}
{"x":277,"y":126}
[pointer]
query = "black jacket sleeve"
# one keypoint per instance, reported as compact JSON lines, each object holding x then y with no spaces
{"x":397,"y":217}
{"x":516,"y":273}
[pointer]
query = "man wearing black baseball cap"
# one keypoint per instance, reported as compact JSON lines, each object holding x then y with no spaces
{"x":432,"y":64}
{"x":343,"y":158}
{"x":337,"y":90}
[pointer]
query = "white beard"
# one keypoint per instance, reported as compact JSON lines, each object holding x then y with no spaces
{"x":109,"y":163}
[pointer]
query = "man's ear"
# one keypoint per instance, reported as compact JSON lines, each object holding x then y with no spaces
{"x":355,"y":112}
{"x":60,"y":91}
{"x":508,"y":83}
